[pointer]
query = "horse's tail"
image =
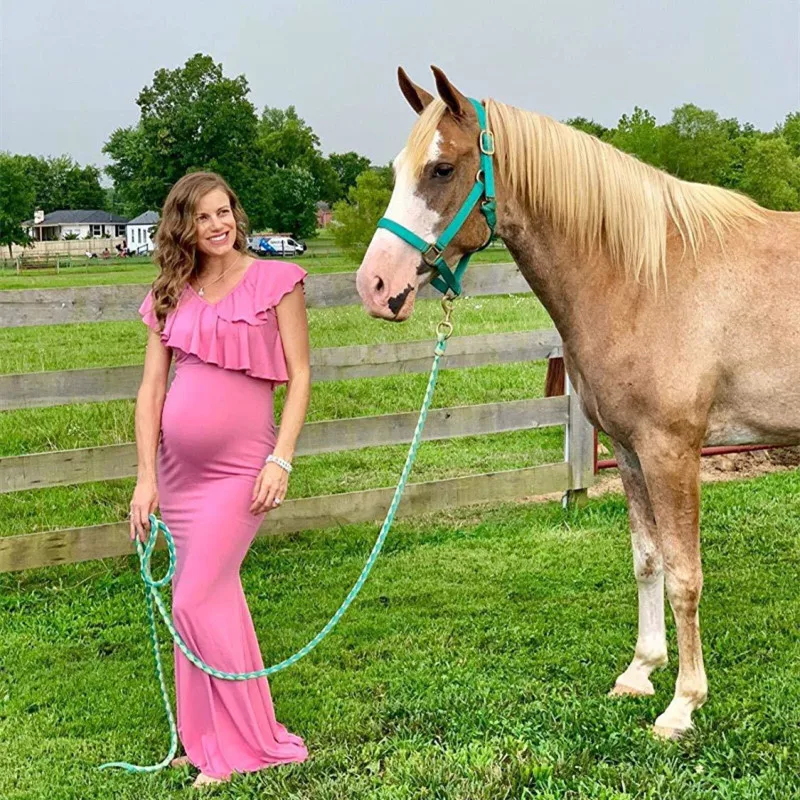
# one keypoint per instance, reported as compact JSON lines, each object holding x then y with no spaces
{"x":554,"y":382}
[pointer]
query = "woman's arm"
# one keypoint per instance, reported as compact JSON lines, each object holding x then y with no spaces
{"x":293,"y":326}
{"x":149,"y":404}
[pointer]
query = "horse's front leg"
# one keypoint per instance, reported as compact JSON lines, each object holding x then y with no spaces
{"x":648,"y":565}
{"x":671,"y":468}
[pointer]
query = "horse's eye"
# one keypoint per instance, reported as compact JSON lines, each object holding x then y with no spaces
{"x":443,"y":170}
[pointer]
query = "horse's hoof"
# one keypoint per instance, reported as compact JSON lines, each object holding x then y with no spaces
{"x":624,"y":690}
{"x":668,"y":734}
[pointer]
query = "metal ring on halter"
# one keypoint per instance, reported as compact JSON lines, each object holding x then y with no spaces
{"x":486,"y":142}
{"x":444,"y":329}
{"x":445,"y":326}
{"x":437,"y":254}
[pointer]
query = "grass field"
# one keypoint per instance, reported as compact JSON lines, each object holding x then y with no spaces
{"x":476,"y":661}
{"x":473,"y":666}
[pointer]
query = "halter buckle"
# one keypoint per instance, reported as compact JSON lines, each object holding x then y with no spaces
{"x":486,"y":142}
{"x":437,"y":254}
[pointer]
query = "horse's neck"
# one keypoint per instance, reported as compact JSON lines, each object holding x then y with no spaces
{"x":575,"y":289}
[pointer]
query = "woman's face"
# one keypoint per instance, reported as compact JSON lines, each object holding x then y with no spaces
{"x":215,"y":226}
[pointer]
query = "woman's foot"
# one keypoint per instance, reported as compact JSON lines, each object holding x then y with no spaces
{"x":180,"y":761}
{"x":204,"y":780}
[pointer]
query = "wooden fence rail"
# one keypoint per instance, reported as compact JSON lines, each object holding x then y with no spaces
{"x":55,"y":388}
{"x":110,"y":462}
{"x":70,"y":545}
{"x":111,"y":303}
{"x":22,"y":307}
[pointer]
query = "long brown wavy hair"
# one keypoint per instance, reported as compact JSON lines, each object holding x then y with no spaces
{"x":175,"y":242}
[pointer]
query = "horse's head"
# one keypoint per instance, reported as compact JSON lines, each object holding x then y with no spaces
{"x":434,"y":173}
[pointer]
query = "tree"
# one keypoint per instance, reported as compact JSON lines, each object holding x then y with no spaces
{"x":697,"y":145}
{"x":16,"y":201}
{"x":640,"y":136}
{"x":288,"y":140}
{"x":62,"y":183}
{"x":790,"y":131}
{"x":191,"y":118}
{"x":291,"y":194}
{"x":347,"y":166}
{"x":134,"y":188}
{"x":326,"y":180}
{"x":588,"y":126}
{"x":356,"y":218}
{"x":70,"y":186}
{"x":771,"y":174}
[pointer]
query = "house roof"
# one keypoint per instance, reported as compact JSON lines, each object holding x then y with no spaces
{"x":148,"y":218}
{"x":77,"y":217}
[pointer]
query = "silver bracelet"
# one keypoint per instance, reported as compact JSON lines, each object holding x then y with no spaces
{"x":281,"y":462}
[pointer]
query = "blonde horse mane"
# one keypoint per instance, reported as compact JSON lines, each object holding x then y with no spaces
{"x":593,"y":193}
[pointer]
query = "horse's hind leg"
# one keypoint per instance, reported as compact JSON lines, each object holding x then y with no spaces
{"x":648,"y":565}
{"x":671,"y":468}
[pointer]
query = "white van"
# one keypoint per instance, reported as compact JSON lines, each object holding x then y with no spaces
{"x":276,"y":245}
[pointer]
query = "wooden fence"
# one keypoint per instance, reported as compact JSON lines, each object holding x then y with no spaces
{"x":120,"y":302}
{"x":65,"y":247}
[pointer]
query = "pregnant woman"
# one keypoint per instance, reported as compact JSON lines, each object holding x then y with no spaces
{"x":210,"y":458}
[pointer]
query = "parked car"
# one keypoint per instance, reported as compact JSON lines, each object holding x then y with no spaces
{"x":276,"y":245}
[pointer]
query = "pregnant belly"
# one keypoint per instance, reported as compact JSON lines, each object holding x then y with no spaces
{"x":216,"y":420}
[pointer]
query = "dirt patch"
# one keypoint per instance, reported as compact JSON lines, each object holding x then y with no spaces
{"x":732,"y":467}
{"x":713,"y":469}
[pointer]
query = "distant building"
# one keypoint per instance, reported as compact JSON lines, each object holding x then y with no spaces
{"x":324,"y":214}
{"x":74,"y":223}
{"x":140,"y":232}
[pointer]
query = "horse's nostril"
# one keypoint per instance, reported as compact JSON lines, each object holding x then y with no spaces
{"x":379,"y":285}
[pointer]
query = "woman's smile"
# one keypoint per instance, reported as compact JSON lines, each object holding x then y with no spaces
{"x":219,"y":238}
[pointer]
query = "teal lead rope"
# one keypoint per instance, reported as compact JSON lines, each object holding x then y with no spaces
{"x":152,"y":586}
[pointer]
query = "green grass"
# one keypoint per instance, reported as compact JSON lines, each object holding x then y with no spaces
{"x":475,"y":664}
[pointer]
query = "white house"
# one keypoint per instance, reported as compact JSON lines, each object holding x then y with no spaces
{"x":140,"y":232}
{"x":74,"y":223}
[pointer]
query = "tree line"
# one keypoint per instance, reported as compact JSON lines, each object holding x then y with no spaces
{"x":698,"y":145}
{"x":195,"y":117}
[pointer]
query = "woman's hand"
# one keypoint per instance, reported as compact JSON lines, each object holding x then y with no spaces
{"x":270,"y":489}
{"x":143,"y":503}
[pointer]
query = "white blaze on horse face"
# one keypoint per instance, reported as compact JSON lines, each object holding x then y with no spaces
{"x":406,"y":206}
{"x":390,"y":263}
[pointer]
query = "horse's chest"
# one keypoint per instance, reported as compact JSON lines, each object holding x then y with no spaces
{"x":606,"y":404}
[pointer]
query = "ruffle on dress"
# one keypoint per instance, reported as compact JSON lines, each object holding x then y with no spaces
{"x":240,"y":331}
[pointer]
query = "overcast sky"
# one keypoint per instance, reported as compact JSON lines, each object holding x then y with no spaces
{"x":70,"y":71}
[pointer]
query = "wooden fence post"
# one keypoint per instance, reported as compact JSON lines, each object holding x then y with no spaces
{"x":578,"y":450}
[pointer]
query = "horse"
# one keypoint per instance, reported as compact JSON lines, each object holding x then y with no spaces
{"x":678,"y":305}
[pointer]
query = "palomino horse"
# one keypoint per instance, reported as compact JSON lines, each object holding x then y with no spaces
{"x":678,"y":305}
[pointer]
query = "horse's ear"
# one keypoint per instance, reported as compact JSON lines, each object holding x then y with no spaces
{"x":417,"y":97}
{"x":453,"y":99}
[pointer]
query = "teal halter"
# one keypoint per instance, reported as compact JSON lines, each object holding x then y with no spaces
{"x":448,"y":279}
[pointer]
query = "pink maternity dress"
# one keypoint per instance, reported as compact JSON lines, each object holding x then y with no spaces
{"x":217,"y":427}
